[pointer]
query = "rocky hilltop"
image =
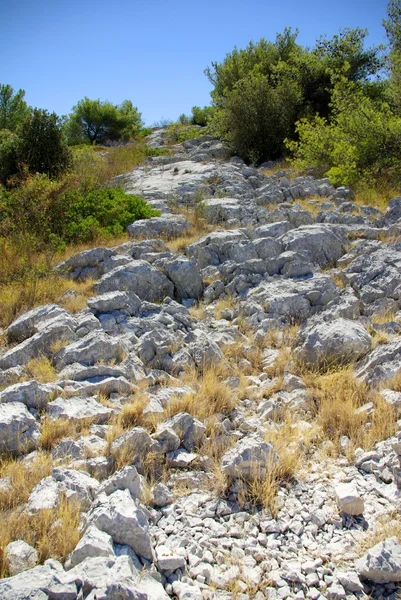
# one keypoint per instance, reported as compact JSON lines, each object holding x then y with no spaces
{"x":229,"y":398}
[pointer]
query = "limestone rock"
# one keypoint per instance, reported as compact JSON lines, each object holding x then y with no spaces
{"x":348,"y":499}
{"x":341,"y":341}
{"x":382,"y":563}
{"x":125,"y":521}
{"x":251,"y":457}
{"x":19,"y":431}
{"x":20,"y":556}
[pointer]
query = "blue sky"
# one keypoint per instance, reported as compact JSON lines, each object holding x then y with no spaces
{"x":152,"y":52}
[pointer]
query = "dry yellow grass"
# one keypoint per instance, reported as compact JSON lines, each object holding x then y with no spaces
{"x":22,"y":478}
{"x":41,"y":369}
{"x":394,"y":383}
{"x":212,"y":395}
{"x":19,"y":296}
{"x":291,"y":445}
{"x":227,"y":303}
{"x":54,"y":533}
{"x":377,"y":195}
{"x":337,"y":396}
{"x":389,"y":525}
{"x":54,"y":430}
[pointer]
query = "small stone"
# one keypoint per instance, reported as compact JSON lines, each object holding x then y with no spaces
{"x":20,"y":556}
{"x":348,"y":499}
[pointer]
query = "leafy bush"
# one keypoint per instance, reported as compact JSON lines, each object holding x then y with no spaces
{"x":201,"y":116}
{"x":362,"y":139}
{"x":103,"y":212}
{"x":9,"y":143}
{"x":257,"y":117}
{"x":56,"y":215}
{"x":43,"y":148}
{"x":249,"y":85}
{"x":177,"y":133}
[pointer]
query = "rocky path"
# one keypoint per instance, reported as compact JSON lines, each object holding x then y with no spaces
{"x":224,"y":418}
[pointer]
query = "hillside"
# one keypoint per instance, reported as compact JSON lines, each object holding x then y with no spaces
{"x":222,"y":419}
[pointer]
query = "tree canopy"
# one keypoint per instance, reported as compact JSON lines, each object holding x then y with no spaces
{"x":97,"y":121}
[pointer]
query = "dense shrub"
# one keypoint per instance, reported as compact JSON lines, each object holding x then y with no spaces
{"x":177,"y":133}
{"x":42,"y":148}
{"x":13,"y":108}
{"x":103,"y":212}
{"x":55,"y":214}
{"x":257,"y":117}
{"x":362,"y":139}
{"x":250,"y":84}
{"x":9,"y":143}
{"x":201,"y":116}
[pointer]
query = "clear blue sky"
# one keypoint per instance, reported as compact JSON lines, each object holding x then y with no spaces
{"x":152,"y":52}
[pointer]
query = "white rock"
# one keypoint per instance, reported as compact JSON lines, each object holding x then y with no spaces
{"x":348,"y":499}
{"x":126,"y":522}
{"x":168,"y":560}
{"x":382,"y":563}
{"x":93,"y":543}
{"x":20,"y":556}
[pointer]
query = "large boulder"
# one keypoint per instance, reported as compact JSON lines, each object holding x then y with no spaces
{"x":41,"y":343}
{"x":76,"y":409}
{"x":250,"y":458}
{"x":20,"y":556}
{"x":19,"y":431}
{"x":96,"y":347}
{"x":44,"y":582}
{"x":31,"y":393}
{"x":33,"y":321}
{"x":339,"y":341}
{"x":190,"y":431}
{"x":375,"y":276}
{"x":381,"y":364}
{"x":93,"y":543}
{"x":382,"y":563}
{"x":321,"y":243}
{"x":124,"y":520}
{"x":139,"y":277}
{"x":168,"y":226}
{"x":186,"y":277}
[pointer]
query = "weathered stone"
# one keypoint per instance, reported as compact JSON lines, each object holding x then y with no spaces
{"x":20,"y":557}
{"x":30,"y":393}
{"x":76,"y":409}
{"x":348,"y":499}
{"x":190,"y":431}
{"x":382,"y":563}
{"x":341,"y":341}
{"x":123,"y":520}
{"x":250,"y":458}
{"x":94,"y":542}
{"x":139,"y":277}
{"x":19,"y":431}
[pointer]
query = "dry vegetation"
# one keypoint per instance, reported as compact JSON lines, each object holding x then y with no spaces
{"x":54,"y":533}
{"x":54,"y":430}
{"x":340,"y":404}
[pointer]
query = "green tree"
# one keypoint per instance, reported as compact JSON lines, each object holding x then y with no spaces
{"x":257,"y":116}
{"x":392,"y":24}
{"x":95,"y":121}
{"x":13,"y":108}
{"x":362,"y":139}
{"x":42,"y":147}
{"x":201,"y":116}
{"x":9,"y":144}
